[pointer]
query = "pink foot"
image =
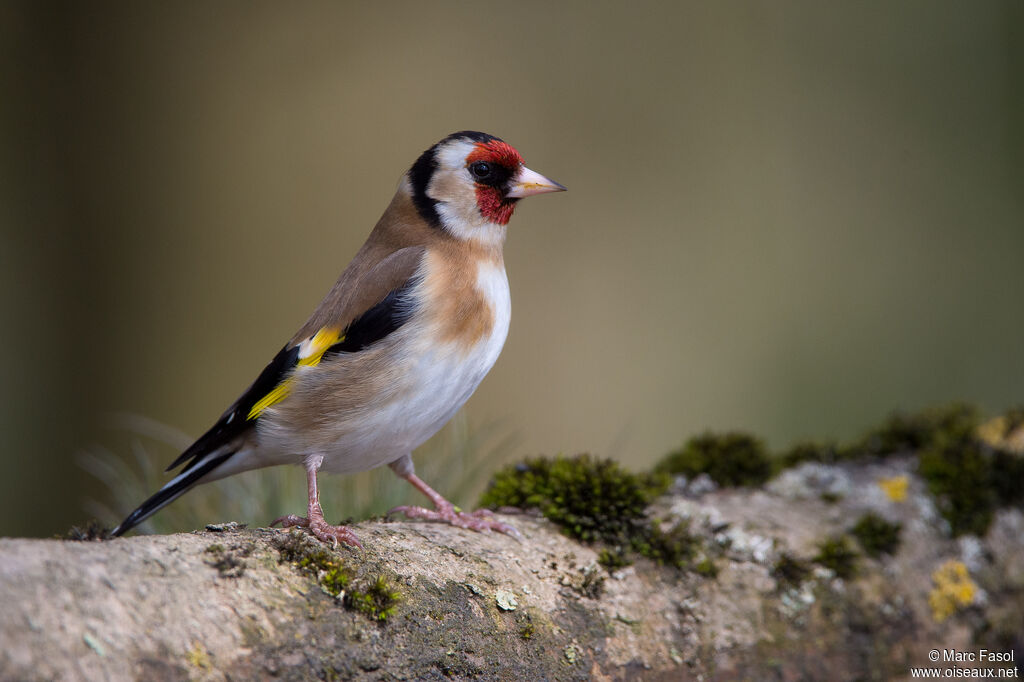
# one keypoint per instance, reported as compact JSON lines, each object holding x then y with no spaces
{"x":321,"y":530}
{"x":447,"y":513}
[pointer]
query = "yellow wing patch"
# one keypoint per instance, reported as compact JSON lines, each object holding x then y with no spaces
{"x":276,"y":395}
{"x":311,"y":352}
{"x":312,"y":349}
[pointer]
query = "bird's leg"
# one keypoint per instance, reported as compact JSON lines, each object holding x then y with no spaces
{"x":443,"y":509}
{"x":314,"y":520}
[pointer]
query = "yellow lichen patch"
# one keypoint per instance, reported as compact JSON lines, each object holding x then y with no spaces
{"x":198,"y":657}
{"x":1005,"y":433}
{"x":895,"y":488}
{"x":953,"y":590}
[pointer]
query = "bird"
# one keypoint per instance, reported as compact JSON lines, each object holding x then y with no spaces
{"x":395,"y":348}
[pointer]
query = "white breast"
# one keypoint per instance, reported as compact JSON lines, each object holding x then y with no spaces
{"x":492,"y":282}
{"x":435,"y":381}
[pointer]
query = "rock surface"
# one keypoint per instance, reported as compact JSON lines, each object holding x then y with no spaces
{"x":217,"y":605}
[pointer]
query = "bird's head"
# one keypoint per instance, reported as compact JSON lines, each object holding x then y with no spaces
{"x":469,"y":183}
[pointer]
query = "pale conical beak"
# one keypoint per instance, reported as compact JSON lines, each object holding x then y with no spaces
{"x":526,"y":183}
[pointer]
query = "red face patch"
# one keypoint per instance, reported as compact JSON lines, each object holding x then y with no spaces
{"x":492,"y":204}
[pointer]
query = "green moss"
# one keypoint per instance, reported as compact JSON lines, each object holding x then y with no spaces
{"x":808,"y":451}
{"x":1008,"y":477}
{"x":837,"y":554}
{"x":969,"y":477}
{"x":913,"y":432}
{"x":229,"y":561}
{"x":959,"y":474}
{"x":377,"y":601}
{"x":876,"y":535}
{"x":375,"y":597}
{"x":707,"y":568}
{"x":527,"y":631}
{"x":595,"y":500}
{"x":591,"y":499}
{"x":613,"y":558}
{"x":675,"y":547}
{"x":92,"y":531}
{"x":790,"y":570}
{"x":307,"y":555}
{"x":334,"y":580}
{"x":730,"y":459}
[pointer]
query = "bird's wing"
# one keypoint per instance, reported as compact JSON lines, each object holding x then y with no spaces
{"x":363,"y":307}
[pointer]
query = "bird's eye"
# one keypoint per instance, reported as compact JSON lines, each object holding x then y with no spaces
{"x":481,"y":170}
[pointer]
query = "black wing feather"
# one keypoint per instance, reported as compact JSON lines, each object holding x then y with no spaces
{"x":235,"y":422}
{"x":217,"y":445}
{"x":372,"y":326}
{"x":377,"y":322}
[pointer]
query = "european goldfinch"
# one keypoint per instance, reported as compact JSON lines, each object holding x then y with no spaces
{"x":396,"y":347}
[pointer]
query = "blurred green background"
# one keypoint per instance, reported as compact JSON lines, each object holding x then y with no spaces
{"x":787,"y":217}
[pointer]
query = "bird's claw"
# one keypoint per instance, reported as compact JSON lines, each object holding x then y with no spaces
{"x":479,"y":520}
{"x":320,"y":529}
{"x":290,"y":521}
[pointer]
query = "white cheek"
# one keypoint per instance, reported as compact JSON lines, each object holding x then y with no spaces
{"x":463,"y":220}
{"x":460,"y":217}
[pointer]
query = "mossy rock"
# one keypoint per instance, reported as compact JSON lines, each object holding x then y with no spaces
{"x":913,"y":432}
{"x":876,"y":536}
{"x":838,"y":555}
{"x":730,"y":459}
{"x":373,"y":596}
{"x":596,"y":500}
{"x":808,"y":451}
{"x":789,"y":570}
{"x":591,"y":499}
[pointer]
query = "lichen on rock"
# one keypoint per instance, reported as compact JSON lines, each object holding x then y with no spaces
{"x":820,"y":569}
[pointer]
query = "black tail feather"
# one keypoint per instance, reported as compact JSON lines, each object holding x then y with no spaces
{"x":170,"y":492}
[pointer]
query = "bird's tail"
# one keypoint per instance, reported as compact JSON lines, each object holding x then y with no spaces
{"x":176,"y":487}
